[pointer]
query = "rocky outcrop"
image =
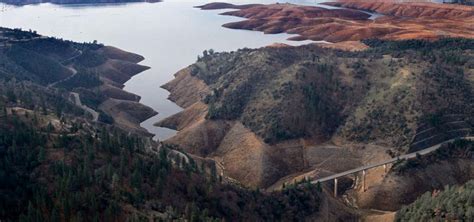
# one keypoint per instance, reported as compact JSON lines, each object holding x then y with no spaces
{"x":188,"y":117}
{"x":186,"y":89}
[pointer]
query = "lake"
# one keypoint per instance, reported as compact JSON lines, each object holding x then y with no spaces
{"x":170,"y":35}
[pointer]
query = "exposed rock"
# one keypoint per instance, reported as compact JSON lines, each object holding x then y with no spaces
{"x":189,"y":116}
{"x":186,"y":89}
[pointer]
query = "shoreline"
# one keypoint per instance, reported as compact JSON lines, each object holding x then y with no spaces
{"x":350,"y":21}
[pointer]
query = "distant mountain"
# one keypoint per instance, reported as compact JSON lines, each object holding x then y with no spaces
{"x":27,"y":2}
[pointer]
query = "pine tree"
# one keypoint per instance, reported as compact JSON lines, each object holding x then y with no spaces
{"x":55,"y":215}
{"x":41,"y":155}
{"x":136,"y":179}
{"x":213,"y":173}
{"x":123,"y":162}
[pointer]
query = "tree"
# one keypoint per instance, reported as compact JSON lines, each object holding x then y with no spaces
{"x":470,"y":213}
{"x":41,"y":155}
{"x":11,"y":96}
{"x":213,"y":173}
{"x":136,"y":179}
{"x":319,"y":188}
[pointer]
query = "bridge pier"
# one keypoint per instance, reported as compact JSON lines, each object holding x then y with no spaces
{"x":363,"y":180}
{"x":335,"y":187}
{"x":356,"y":181}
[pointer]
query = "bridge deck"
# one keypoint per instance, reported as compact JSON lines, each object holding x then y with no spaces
{"x":402,"y":157}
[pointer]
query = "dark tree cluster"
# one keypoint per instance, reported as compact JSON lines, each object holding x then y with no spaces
{"x":454,"y":203}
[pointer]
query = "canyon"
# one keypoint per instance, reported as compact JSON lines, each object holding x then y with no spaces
{"x":255,"y":125}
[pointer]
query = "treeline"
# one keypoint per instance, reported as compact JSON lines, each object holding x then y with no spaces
{"x":76,"y":171}
{"x":18,"y":33}
{"x":454,"y":203}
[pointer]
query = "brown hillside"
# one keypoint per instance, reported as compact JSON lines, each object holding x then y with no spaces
{"x":401,"y":20}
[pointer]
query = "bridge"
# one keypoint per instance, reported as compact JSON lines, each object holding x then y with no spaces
{"x":383,"y":164}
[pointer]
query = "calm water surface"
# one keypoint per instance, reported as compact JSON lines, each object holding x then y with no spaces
{"x":170,"y":35}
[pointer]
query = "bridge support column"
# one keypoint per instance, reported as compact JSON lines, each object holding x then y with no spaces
{"x":335,"y":187}
{"x":356,"y":180}
{"x":363,"y":180}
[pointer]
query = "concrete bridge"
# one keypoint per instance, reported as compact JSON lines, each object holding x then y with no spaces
{"x":383,"y":164}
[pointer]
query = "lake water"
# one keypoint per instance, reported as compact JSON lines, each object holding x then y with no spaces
{"x":170,"y":35}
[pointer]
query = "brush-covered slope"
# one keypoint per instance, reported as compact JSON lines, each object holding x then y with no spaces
{"x":271,"y":103}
